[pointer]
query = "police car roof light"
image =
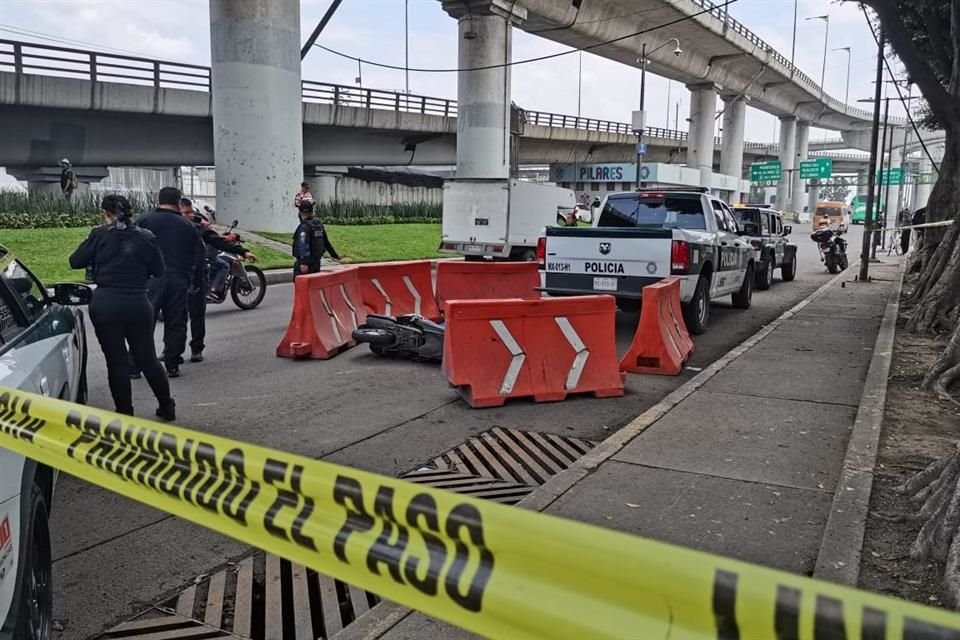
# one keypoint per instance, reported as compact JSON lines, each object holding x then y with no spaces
{"x":680,"y":189}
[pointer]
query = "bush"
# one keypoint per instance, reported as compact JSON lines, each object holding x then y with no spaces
{"x":20,"y":210}
{"x":359,"y":213}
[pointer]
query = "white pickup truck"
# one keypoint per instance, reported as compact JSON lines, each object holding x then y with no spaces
{"x":643,"y":237}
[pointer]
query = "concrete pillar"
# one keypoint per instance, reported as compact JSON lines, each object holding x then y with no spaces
{"x":788,"y":147}
{"x":703,"y":113}
{"x":731,"y":149}
{"x":892,"y":201}
{"x":257,"y":112}
{"x":483,"y":97}
{"x":801,"y":152}
{"x":921,"y":191}
{"x":863,"y":186}
{"x":812,"y":196}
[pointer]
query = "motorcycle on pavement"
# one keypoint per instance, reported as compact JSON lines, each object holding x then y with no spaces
{"x":411,"y":337}
{"x":833,"y":249}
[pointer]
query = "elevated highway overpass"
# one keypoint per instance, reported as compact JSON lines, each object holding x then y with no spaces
{"x":109,"y":110}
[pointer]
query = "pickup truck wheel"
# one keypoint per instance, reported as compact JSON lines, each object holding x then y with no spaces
{"x":696,"y":313}
{"x":35,"y":609}
{"x":765,"y":275}
{"x":528,"y":255}
{"x":743,"y":297}
{"x":789,"y":270}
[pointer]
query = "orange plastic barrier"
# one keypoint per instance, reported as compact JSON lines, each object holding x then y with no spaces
{"x":327,"y":308}
{"x":661,"y":344}
{"x":545,"y":349}
{"x":398,"y":288}
{"x":486,"y":281}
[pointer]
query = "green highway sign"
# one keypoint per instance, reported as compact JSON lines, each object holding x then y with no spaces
{"x":891,"y":176}
{"x":818,"y":169}
{"x":926,"y":178}
{"x":770,"y":171}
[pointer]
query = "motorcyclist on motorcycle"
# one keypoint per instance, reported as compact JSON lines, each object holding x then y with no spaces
{"x":215,"y":273}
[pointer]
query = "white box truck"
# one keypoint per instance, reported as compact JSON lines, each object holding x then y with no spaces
{"x":500,"y":218}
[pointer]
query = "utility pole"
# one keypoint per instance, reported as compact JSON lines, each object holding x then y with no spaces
{"x":882,"y":202}
{"x":872,"y":177}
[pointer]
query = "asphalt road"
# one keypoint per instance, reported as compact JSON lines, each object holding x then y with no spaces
{"x":114,"y":558}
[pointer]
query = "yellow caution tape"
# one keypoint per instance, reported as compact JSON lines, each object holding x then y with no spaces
{"x":499,"y":571}
{"x":926,"y":225}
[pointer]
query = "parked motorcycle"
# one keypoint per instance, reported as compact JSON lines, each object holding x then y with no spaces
{"x":411,"y":336}
{"x":246,"y":283}
{"x":833,"y":249}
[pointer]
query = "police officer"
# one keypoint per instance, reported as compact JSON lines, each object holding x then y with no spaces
{"x":310,"y":242}
{"x":124,"y":257}
{"x":183,"y":253}
{"x":213,"y":243}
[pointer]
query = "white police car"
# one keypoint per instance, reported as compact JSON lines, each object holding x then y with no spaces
{"x":43,"y":349}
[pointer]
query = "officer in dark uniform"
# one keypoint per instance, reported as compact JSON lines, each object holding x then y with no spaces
{"x":310,"y":242}
{"x":124,"y":257}
{"x":213,"y":243}
{"x":183,"y":253}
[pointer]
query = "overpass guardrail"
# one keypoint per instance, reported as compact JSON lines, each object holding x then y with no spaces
{"x":31,"y":58}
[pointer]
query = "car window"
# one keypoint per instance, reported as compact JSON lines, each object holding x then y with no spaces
{"x":745,"y":215}
{"x":654,"y":210}
{"x":26,"y":286}
{"x":9,"y":327}
{"x":719,"y":217}
{"x":765,"y":223}
{"x":778,"y":225}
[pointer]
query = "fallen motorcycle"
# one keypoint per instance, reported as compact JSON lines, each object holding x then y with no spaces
{"x":411,"y":337}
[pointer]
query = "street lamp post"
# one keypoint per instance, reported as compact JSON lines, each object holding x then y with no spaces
{"x":846,"y":98}
{"x":639,"y":120}
{"x":579,"y":86}
{"x":826,"y":39}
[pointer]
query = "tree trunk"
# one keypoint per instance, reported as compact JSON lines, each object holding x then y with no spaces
{"x":937,"y":292}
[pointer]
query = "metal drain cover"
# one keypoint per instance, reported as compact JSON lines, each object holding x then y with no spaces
{"x":503,"y":465}
{"x":262,"y":598}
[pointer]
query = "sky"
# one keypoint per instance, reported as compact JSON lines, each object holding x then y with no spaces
{"x":374,"y":30}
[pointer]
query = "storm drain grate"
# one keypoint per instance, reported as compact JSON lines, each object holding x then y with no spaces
{"x":261,"y":598}
{"x":509,"y":455}
{"x":502,"y":465}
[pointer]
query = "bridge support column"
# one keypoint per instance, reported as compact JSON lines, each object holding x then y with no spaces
{"x":863,"y":186}
{"x":921,"y":191}
{"x":483,"y":96}
{"x":788,"y":148}
{"x":812,"y":196}
{"x":700,"y":140}
{"x":892,"y":203}
{"x":731,"y":149}
{"x":802,"y":151}
{"x":257,"y":112}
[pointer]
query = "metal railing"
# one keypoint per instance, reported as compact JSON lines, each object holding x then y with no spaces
{"x":40,"y":59}
{"x":46,"y":60}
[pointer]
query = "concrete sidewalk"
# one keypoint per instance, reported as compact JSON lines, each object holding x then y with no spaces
{"x":742,"y":461}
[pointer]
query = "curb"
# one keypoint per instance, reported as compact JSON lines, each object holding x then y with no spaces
{"x":388,"y":614}
{"x":838,"y":559}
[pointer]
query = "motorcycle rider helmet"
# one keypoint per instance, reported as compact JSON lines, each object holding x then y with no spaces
{"x":65,"y":163}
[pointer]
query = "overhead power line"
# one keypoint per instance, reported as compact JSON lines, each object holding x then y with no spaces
{"x":906,"y":107}
{"x":515,"y":63}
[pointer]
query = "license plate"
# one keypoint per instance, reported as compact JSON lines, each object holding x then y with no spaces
{"x":473,"y":248}
{"x":604,"y":284}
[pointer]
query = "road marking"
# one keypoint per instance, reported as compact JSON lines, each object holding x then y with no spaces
{"x":387,"y":310}
{"x":413,"y":291}
{"x":516,"y":364}
{"x":576,"y":369}
{"x":333,"y":318}
{"x":346,"y":299}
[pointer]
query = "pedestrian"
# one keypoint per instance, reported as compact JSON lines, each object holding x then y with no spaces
{"x":213,"y":243}
{"x":183,"y":253}
{"x":904,"y":233}
{"x":919,"y":217}
{"x":124,"y":257}
{"x":68,"y":178}
{"x":310,"y":242}
{"x":303,"y":195}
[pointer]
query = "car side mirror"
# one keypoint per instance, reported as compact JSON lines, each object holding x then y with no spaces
{"x":71,"y":294}
{"x":787,"y":230}
{"x":748,"y":229}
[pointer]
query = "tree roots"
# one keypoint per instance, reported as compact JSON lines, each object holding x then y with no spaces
{"x":938,"y":489}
